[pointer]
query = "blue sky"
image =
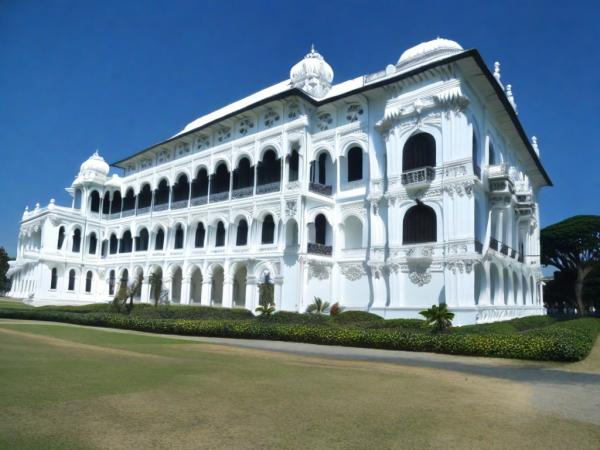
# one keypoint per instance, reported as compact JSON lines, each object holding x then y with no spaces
{"x":121,"y":75}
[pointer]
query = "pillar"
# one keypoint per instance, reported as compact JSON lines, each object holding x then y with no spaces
{"x":206,"y":292}
{"x":145,"y":295}
{"x":185,"y":290}
{"x":251,"y":292}
{"x":278,"y":288}
{"x":227,"y":291}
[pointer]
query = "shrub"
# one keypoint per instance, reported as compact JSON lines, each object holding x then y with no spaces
{"x":439,"y":317}
{"x":349,"y":317}
{"x":565,"y":341}
{"x":287,"y":317}
{"x":189,"y":312}
{"x":318,"y":307}
{"x":408,"y":324}
{"x":507,"y":327}
{"x":335,"y":309}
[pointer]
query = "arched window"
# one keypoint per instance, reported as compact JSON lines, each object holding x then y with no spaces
{"x":142,"y":241}
{"x":106,"y":204}
{"x":129,"y":200}
{"x":353,"y":233}
{"x":294,"y":160}
{"x":320,"y":229}
{"x":419,"y":225}
{"x":126,"y":243}
{"x":220,"y":237}
{"x":492,"y":157}
{"x":178,"y":237}
{"x":116,"y":204}
{"x":111,"y":283}
{"x":88,"y":281}
{"x":243,"y":176}
{"x":268,"y":230}
{"x":242,"y":233}
{"x":93,"y":244}
{"x":76,"y":240}
{"x":77,"y":199}
{"x":200,"y":184}
{"x":54,"y":278}
{"x":61,"y":237}
{"x":159,"y":241}
{"x":181,"y":189}
{"x":124,"y":278}
{"x":475,"y":154}
{"x":355,"y":163}
{"x":161,"y":195}
{"x":322,"y":168}
{"x":418,"y":152}
{"x":269,"y":169}
{"x":220,"y":179}
{"x":145,"y":197}
{"x":200,"y":233}
{"x":113,"y":244}
{"x":71,"y":286}
{"x":95,"y":201}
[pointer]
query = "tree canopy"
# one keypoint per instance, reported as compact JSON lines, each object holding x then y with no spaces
{"x":573,"y":247}
{"x":4,"y":281}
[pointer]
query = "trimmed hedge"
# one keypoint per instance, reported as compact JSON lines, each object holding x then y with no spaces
{"x":349,"y":317}
{"x":189,"y":312}
{"x":566,"y":341}
{"x":507,"y":327}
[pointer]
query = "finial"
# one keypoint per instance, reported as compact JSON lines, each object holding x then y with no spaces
{"x":37,"y":205}
{"x":497,"y":72}
{"x":511,"y":98}
{"x":312,"y":48}
{"x":27,"y":208}
{"x":534,"y":144}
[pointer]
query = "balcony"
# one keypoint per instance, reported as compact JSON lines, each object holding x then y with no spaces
{"x":268,"y":188}
{"x":144,"y":210}
{"x":319,"y":249}
{"x":198,"y":201}
{"x":499,"y":180}
{"x":242,"y":192}
{"x":418,"y":177}
{"x":319,"y":188}
{"x":219,"y":197}
{"x":524,"y":204}
{"x":128,"y":213}
{"x":179,"y":204}
{"x":161,"y":207}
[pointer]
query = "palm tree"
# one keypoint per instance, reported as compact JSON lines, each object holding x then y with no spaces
{"x":318,"y":307}
{"x":439,"y":317}
{"x":265,"y":309}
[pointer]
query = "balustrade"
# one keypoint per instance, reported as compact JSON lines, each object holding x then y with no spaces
{"x":268,"y":188}
{"x":319,"y":249}
{"x":319,"y":188}
{"x":418,"y":176}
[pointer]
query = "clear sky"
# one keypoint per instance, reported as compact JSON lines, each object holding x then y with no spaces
{"x":121,"y":75}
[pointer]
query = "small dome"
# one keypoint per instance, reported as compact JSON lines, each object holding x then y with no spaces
{"x":428,"y":51}
{"x":313,"y":75}
{"x":96,"y":164}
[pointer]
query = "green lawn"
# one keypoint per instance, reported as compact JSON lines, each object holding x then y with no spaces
{"x":70,"y":387}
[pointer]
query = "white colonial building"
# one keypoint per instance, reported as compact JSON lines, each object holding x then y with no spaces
{"x":390,"y":192}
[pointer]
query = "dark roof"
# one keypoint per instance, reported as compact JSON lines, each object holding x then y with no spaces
{"x":472,"y":53}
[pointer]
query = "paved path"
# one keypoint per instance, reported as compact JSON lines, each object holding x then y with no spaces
{"x":556,"y":386}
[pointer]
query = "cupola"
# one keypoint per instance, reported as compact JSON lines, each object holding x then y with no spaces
{"x":312,"y":74}
{"x":95,"y":165}
{"x":427,"y":52}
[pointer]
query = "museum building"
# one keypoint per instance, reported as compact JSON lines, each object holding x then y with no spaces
{"x":390,"y":192}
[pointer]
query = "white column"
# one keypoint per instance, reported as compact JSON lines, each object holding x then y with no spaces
{"x":227,"y":301}
{"x":278,"y":285}
{"x":145,"y":295}
{"x":206,"y":291}
{"x":185,"y":291}
{"x":251,"y":292}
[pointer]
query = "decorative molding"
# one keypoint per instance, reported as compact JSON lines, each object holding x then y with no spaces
{"x":352,"y":272}
{"x":420,"y":277}
{"x":290,"y":208}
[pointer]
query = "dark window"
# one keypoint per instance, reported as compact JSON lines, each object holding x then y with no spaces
{"x":104,"y":248}
{"x":161,"y":195}
{"x":268,"y":230}
{"x":115,"y":206}
{"x":61,"y":237}
{"x":476,"y":169}
{"x":355,"y":163}
{"x":129,"y":200}
{"x":181,"y":189}
{"x":76,"y":240}
{"x":199,"y":238}
{"x":322,"y":168}
{"x":145,"y":197}
{"x":124,"y":278}
{"x":294,"y":160}
{"x":220,"y":180}
{"x":54,"y":278}
{"x":492,"y":155}
{"x":200,"y":184}
{"x":220,"y":238}
{"x":420,"y":225}
{"x":243,"y":176}
{"x":88,"y":281}
{"x":126,"y":243}
{"x":242,"y":233}
{"x":142,"y":241}
{"x":114,"y":244}
{"x":320,"y":229}
{"x":419,"y":151}
{"x":93,"y":244}
{"x":178,"y":237}
{"x":106,"y":204}
{"x":269,"y":169}
{"x":111,"y":283}
{"x":95,"y":201}
{"x":159,"y":242}
{"x":71,"y":280}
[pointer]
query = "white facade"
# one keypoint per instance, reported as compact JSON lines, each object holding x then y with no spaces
{"x":390,"y":192}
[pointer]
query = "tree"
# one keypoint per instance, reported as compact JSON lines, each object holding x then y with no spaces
{"x":266,"y":297}
{"x":439,"y":317}
{"x":573,"y":245}
{"x":4,"y":281}
{"x":318,"y":307}
{"x":155,"y":282}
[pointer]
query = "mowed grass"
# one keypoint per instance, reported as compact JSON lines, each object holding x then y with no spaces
{"x":72,"y":387}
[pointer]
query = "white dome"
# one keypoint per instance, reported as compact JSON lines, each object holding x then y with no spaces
{"x":96,"y":164}
{"x":428,"y":51}
{"x":313,"y":75}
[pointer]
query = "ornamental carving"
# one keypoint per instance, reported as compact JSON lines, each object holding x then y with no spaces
{"x":183,"y":150}
{"x":293,"y":111}
{"x":460,"y":265}
{"x":223,"y":133}
{"x":290,"y":208}
{"x":353,"y":112}
{"x":245,"y":125}
{"x":271,"y":118}
{"x":420,"y":278}
{"x":352,"y":272}
{"x":163,"y":156}
{"x":324,"y":121}
{"x":318,"y":271}
{"x":202,"y":142}
{"x":460,"y":188}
